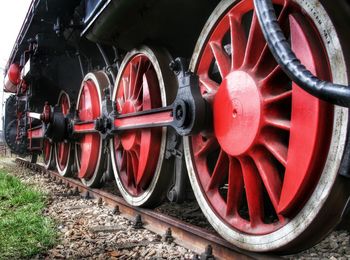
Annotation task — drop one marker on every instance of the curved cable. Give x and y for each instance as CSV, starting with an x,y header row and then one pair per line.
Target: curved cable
x,y
334,93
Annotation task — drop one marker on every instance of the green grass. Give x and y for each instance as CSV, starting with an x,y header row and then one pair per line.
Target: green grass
x,y
24,231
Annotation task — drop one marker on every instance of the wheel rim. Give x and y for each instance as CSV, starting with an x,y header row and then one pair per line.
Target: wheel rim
x,y
258,181
134,151
89,145
63,149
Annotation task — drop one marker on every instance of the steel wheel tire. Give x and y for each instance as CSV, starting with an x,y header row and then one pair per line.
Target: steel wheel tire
x,y
64,155
324,206
155,190
99,81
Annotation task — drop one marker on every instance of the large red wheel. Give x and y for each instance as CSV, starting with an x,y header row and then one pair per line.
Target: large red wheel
x,y
138,155
63,150
266,176
89,149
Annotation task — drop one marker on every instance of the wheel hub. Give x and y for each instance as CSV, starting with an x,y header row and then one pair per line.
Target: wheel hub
x,y
237,113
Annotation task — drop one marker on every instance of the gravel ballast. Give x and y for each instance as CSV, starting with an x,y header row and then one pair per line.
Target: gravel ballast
x,y
92,231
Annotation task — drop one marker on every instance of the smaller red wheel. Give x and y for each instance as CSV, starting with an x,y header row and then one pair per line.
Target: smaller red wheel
x,y
63,150
48,154
138,155
89,150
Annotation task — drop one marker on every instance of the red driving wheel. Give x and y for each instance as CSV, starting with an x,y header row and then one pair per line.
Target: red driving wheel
x,y
138,155
138,91
263,160
89,149
63,150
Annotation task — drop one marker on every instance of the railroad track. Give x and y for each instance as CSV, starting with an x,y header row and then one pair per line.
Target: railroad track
x,y
187,235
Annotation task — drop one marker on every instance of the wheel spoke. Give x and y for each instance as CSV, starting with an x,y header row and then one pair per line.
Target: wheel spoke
x,y
117,144
253,188
235,187
146,104
269,175
220,172
279,97
256,43
123,162
283,16
133,78
277,149
138,80
279,123
135,164
272,76
129,169
126,94
210,85
119,104
222,59
209,146
146,143
238,42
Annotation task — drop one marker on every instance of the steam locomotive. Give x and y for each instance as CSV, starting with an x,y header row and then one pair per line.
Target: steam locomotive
x,y
242,103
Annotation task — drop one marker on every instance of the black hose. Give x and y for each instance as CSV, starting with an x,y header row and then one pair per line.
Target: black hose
x,y
291,65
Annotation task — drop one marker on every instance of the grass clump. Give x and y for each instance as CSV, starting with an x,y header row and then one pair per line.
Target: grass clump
x,y
24,231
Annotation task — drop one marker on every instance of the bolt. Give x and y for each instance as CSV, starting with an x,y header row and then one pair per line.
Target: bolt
x,y
234,113
108,123
116,210
179,112
168,237
208,253
138,222
76,191
70,193
98,124
86,195
174,66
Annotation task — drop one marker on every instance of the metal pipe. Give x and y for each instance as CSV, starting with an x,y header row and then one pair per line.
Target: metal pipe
x,y
80,64
334,93
106,60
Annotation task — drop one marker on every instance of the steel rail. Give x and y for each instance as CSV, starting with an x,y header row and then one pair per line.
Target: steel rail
x,y
187,235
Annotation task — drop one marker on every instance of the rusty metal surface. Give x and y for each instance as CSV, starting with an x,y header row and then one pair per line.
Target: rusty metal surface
x,y
184,234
